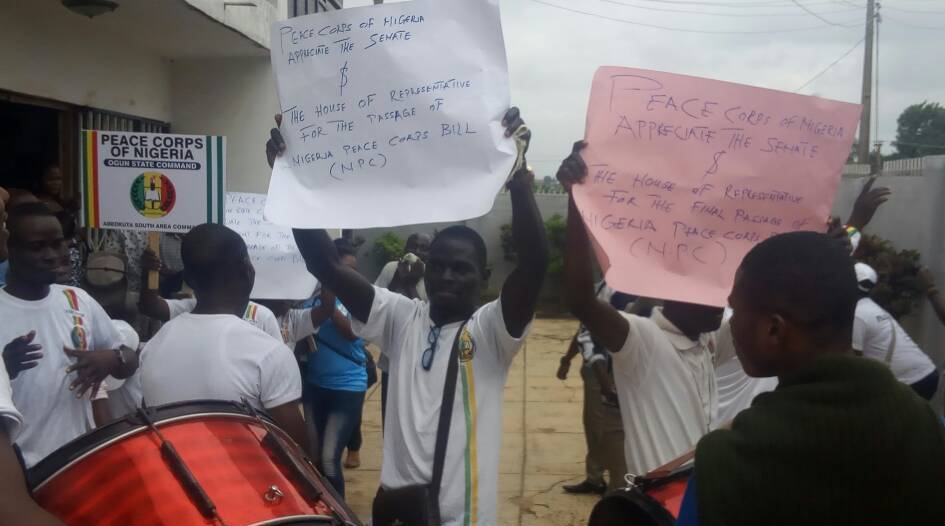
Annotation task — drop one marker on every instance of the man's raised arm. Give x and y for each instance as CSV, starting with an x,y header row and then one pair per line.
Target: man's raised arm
x,y
321,257
604,322
522,287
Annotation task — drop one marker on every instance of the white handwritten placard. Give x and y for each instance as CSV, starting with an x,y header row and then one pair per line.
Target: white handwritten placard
x,y
280,270
391,115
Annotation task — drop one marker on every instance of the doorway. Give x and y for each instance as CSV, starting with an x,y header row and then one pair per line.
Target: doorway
x,y
29,143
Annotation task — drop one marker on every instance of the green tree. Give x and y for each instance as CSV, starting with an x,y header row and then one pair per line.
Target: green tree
x,y
388,247
921,131
898,290
555,228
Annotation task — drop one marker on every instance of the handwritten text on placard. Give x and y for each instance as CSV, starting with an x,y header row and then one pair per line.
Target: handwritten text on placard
x,y
687,174
388,105
280,270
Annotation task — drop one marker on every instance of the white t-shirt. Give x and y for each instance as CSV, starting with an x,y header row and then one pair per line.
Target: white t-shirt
x,y
256,314
67,316
872,335
383,280
125,397
295,325
736,389
217,357
387,275
666,387
10,419
401,327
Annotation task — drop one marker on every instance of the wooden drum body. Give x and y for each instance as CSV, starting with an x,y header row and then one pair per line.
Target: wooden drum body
x,y
229,466
652,500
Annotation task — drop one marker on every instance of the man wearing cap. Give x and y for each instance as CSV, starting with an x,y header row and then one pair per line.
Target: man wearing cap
x,y
877,335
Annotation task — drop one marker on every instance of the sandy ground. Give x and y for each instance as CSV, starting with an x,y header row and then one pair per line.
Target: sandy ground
x,y
542,439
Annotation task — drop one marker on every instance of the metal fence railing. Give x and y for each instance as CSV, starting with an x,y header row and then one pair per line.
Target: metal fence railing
x,y
906,167
306,7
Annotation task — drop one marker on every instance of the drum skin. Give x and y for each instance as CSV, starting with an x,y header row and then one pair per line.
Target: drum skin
x,y
124,480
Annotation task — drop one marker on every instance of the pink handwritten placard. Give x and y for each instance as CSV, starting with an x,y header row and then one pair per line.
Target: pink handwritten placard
x,y
686,174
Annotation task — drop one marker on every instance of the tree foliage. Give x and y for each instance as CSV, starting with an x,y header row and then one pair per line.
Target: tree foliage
x,y
555,229
898,290
388,247
921,131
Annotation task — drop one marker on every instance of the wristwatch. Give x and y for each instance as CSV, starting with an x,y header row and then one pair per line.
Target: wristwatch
x,y
121,355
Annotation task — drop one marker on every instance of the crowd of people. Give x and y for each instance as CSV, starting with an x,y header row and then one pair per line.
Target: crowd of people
x,y
797,402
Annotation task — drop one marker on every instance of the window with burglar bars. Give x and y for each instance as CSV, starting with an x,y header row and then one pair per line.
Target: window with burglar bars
x,y
92,119
307,7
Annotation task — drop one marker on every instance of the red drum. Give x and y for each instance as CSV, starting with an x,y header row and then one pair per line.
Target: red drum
x,y
194,463
651,500
669,490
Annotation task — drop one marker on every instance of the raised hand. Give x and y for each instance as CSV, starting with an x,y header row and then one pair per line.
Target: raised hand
x,y
837,231
275,146
410,272
573,170
21,354
521,288
512,121
866,204
515,128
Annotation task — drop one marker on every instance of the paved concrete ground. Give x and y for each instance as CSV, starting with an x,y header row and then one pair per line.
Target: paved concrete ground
x,y
542,438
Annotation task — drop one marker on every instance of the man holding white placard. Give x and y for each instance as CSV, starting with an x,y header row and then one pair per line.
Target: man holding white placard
x,y
419,338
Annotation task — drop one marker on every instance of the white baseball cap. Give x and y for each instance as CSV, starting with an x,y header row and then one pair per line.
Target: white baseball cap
x,y
866,277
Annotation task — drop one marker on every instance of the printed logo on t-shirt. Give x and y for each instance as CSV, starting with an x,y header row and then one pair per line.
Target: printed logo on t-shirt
x,y
79,336
79,333
72,299
250,314
466,346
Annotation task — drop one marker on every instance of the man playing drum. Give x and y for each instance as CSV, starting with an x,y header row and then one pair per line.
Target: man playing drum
x,y
211,353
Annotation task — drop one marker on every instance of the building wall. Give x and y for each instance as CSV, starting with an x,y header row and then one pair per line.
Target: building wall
x,y
489,227
49,52
235,97
252,21
913,218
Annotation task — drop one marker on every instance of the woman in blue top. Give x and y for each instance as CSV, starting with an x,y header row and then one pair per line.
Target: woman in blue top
x,y
335,383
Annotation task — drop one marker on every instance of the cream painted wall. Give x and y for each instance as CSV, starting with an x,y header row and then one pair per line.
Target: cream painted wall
x,y
55,54
250,20
233,97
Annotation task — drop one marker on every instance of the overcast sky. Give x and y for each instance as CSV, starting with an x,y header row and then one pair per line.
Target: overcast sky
x,y
553,53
